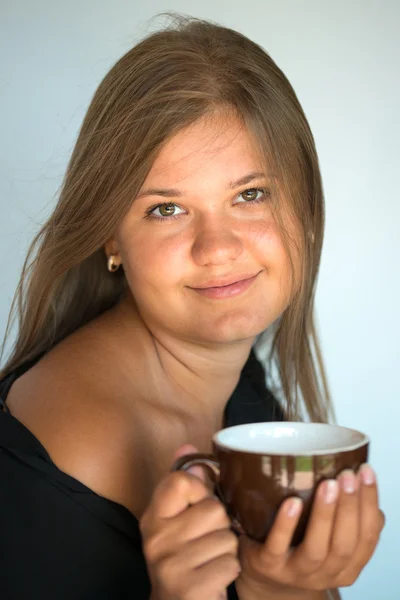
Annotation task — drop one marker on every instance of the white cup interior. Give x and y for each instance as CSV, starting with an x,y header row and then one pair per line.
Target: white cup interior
x,y
300,439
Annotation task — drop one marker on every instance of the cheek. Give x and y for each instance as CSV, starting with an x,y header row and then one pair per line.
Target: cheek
x,y
150,259
271,253
267,242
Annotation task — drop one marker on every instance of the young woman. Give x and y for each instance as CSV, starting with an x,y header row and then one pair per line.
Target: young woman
x,y
189,222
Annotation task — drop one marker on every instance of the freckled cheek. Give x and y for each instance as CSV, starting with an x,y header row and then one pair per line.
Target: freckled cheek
x,y
265,237
153,260
278,262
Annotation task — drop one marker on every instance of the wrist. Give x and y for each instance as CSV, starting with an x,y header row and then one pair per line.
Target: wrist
x,y
249,590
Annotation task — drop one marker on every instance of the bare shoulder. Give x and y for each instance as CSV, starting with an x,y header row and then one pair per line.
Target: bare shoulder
x,y
68,402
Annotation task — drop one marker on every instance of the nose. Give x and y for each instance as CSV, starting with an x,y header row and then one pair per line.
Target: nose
x,y
216,243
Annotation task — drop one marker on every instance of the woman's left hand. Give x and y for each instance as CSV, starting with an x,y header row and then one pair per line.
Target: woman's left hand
x,y
341,537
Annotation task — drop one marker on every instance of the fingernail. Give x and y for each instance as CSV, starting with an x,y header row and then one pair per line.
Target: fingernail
x,y
294,507
331,489
347,481
197,471
367,475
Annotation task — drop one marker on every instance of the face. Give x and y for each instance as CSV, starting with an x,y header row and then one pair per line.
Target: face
x,y
200,248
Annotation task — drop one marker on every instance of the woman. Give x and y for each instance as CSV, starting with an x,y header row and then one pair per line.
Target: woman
x,y
190,221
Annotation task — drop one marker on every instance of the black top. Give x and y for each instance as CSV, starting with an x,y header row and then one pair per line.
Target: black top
x,y
58,538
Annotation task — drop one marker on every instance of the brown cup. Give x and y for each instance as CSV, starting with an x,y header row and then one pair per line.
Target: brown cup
x,y
258,465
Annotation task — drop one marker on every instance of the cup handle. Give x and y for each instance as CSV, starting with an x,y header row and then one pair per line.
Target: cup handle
x,y
205,460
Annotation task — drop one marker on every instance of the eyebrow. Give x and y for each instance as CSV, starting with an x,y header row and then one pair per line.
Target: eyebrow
x,y
174,193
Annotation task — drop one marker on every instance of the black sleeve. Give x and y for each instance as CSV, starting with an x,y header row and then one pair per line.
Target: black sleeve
x,y
58,539
57,543
61,541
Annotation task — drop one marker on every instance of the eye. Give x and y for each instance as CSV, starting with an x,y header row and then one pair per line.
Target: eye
x,y
252,195
164,211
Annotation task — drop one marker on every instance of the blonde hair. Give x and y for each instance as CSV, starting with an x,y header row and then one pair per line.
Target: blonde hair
x,y
175,76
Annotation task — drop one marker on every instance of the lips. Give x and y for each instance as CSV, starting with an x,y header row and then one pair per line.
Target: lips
x,y
219,289
225,281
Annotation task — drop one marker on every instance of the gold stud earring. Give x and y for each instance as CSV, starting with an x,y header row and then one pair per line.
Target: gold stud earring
x,y
112,264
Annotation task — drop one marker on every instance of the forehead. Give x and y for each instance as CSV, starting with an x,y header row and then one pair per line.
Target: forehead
x,y
213,146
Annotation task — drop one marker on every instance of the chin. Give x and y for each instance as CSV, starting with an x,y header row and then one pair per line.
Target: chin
x,y
232,328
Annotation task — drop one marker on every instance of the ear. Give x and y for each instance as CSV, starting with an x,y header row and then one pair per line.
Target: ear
x,y
111,248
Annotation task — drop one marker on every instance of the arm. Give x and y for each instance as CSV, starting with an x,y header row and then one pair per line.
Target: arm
x,y
246,592
60,541
59,538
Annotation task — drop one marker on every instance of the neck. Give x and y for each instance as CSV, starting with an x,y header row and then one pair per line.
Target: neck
x,y
193,377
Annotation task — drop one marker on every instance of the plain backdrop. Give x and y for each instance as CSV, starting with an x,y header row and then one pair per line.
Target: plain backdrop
x,y
342,58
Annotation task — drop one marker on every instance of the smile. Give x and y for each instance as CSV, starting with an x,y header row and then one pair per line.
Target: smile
x,y
226,290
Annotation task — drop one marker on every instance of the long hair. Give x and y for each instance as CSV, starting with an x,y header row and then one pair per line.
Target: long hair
x,y
175,76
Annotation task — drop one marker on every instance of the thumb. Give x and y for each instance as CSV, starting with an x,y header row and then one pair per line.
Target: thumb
x,y
197,471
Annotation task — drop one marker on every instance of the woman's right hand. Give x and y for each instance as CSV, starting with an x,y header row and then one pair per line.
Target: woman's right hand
x,y
190,551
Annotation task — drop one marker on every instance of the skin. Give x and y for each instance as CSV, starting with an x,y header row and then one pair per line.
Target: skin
x,y
176,354
213,234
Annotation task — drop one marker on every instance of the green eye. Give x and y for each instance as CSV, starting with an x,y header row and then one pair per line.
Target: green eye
x,y
167,210
253,196
164,212
250,195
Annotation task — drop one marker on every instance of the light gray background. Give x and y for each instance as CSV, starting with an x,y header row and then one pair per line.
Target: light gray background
x,y
342,58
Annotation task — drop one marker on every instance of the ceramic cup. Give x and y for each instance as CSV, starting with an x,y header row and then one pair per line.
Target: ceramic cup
x,y
258,465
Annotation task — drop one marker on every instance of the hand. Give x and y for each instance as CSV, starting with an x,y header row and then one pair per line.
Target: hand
x,y
188,545
341,537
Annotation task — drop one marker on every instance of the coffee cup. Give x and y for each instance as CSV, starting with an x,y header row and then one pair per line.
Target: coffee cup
x,y
257,466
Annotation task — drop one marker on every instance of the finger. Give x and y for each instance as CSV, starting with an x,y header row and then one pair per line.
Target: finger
x,y
175,493
347,523
278,541
200,519
314,549
198,471
209,547
207,581
372,519
218,573
382,520
184,450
